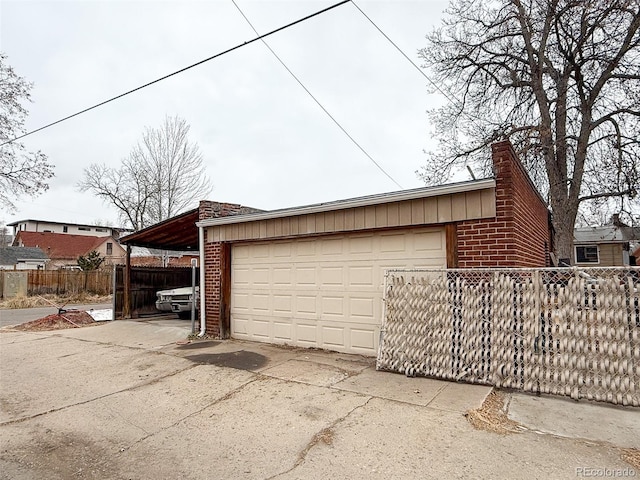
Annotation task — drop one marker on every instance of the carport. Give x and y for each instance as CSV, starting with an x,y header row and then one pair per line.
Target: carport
x,y
178,233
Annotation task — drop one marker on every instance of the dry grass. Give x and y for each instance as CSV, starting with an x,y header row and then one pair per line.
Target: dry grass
x,y
492,417
632,457
50,300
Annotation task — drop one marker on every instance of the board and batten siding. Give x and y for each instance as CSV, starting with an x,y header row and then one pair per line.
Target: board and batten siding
x,y
423,211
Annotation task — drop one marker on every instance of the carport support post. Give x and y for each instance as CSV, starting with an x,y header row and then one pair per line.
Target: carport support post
x,y
126,304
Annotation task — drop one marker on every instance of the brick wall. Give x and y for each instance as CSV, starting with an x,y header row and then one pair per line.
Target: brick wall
x,y
519,235
213,264
212,287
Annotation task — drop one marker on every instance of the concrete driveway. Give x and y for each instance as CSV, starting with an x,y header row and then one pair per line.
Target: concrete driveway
x,y
124,400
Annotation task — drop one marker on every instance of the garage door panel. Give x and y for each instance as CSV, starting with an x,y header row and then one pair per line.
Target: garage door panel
x,y
333,337
305,276
331,247
361,244
332,307
260,303
323,292
260,328
281,250
361,276
305,305
431,241
282,304
307,333
332,276
393,243
361,307
241,301
282,330
260,277
242,276
282,276
239,326
363,340
305,248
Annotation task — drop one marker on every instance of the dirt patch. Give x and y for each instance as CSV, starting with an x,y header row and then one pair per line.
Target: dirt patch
x,y
57,321
492,416
632,457
323,436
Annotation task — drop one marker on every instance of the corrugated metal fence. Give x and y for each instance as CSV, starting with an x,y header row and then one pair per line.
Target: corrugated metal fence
x,y
573,332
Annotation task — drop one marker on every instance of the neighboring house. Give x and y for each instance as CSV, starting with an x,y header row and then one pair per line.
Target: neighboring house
x,y
64,250
313,276
22,258
45,226
605,246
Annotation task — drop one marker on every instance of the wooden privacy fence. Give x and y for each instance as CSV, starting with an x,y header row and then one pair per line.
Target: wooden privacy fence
x,y
145,282
67,282
573,332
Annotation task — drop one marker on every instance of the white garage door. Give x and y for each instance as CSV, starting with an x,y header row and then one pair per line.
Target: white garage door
x,y
323,292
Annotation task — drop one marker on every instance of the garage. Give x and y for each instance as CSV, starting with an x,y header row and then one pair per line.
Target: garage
x,y
313,276
323,292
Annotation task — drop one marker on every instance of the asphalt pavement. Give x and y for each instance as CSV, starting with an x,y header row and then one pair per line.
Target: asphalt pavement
x,y
137,400
23,315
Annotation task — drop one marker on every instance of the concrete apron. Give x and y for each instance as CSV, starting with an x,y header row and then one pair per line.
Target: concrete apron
x,y
126,400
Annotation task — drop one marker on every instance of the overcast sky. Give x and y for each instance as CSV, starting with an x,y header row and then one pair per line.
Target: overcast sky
x,y
265,142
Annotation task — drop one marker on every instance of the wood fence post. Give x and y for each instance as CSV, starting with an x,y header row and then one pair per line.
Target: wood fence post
x,y
126,304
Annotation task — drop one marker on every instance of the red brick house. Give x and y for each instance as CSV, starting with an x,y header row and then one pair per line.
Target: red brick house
x,y
64,249
313,276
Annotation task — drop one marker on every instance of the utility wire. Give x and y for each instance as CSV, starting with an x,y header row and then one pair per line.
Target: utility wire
x,y
448,96
315,99
259,37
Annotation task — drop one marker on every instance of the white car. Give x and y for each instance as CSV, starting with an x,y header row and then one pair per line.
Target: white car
x,y
177,300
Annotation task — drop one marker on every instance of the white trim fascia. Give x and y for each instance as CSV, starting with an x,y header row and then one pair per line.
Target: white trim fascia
x,y
400,196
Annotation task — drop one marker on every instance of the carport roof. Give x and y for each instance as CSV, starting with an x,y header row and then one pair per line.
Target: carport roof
x,y
176,233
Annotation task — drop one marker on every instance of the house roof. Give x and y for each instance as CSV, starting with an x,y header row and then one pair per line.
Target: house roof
x,y
355,202
60,245
12,255
13,224
605,234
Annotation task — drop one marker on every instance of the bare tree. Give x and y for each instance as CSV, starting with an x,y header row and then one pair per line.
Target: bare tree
x,y
21,172
561,80
163,175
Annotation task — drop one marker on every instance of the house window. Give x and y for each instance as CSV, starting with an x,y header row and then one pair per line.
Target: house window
x,y
65,229
587,254
109,248
101,229
85,229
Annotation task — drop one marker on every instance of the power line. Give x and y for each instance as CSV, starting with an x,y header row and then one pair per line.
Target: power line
x,y
316,100
448,96
259,37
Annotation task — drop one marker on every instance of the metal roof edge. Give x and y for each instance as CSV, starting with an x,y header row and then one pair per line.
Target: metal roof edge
x,y
377,199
